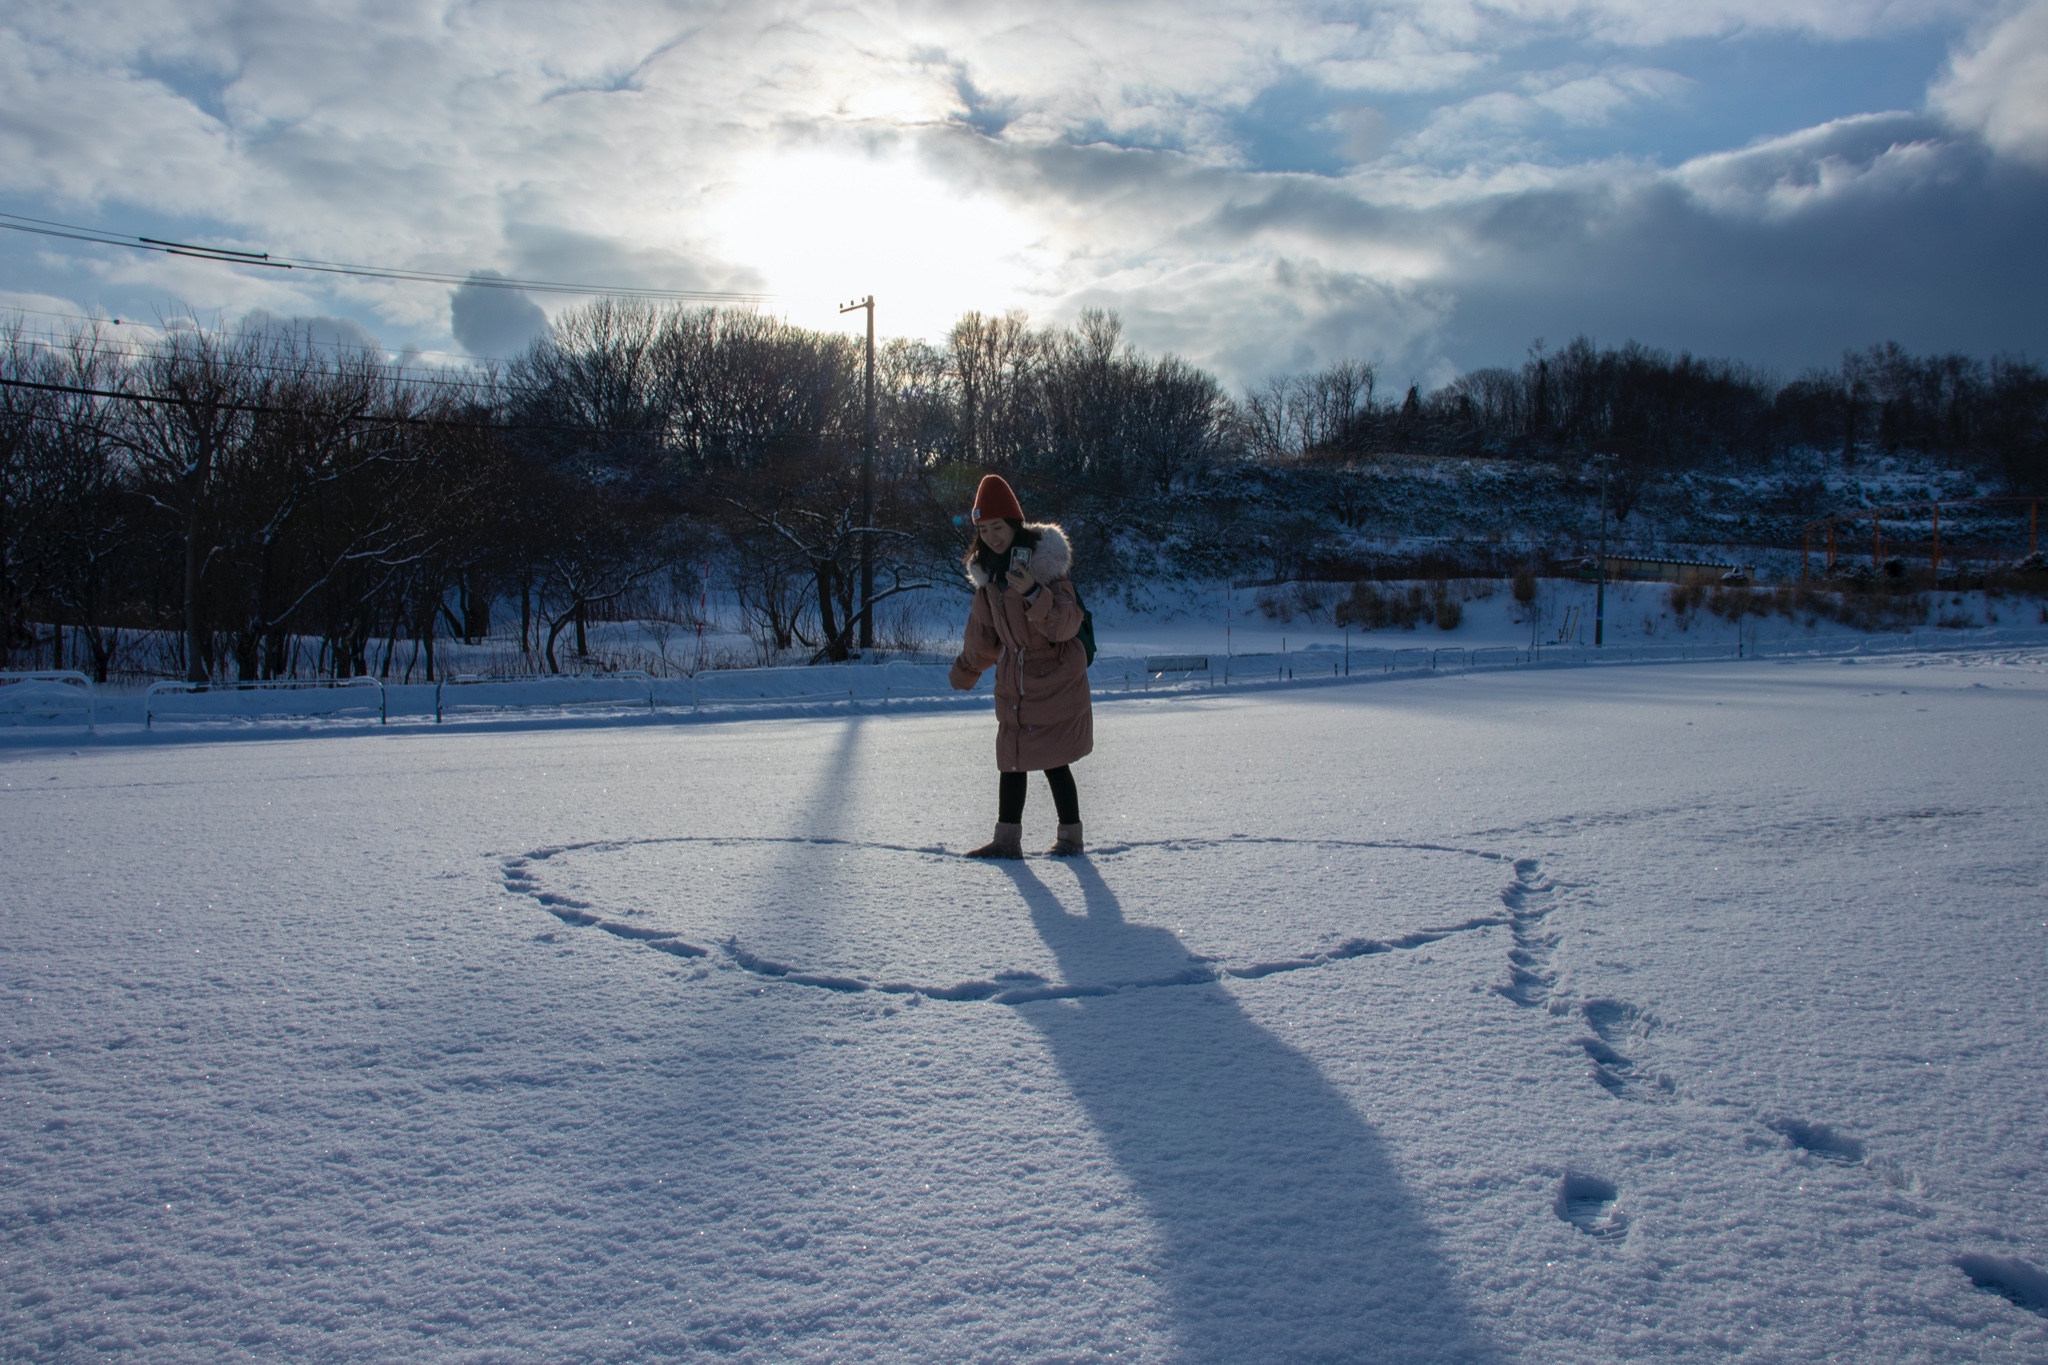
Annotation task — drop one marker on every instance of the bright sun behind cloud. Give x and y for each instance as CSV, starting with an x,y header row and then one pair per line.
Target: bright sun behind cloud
x,y
823,228
1256,185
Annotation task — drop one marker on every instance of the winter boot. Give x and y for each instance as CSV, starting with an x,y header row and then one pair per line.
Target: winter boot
x,y
1008,843
1068,843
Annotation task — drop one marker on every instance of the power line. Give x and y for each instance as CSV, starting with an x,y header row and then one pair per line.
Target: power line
x,y
262,409
412,377
43,227
297,334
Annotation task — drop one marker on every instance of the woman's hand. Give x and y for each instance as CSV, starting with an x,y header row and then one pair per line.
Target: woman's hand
x,y
1020,579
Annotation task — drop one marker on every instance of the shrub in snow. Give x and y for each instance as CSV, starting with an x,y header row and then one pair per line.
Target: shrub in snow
x,y
1732,604
1363,608
1444,609
1685,600
1369,608
1283,602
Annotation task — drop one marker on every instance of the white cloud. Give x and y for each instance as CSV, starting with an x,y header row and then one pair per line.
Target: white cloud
x,y
1999,86
1597,98
1504,126
325,333
1645,23
1873,156
71,133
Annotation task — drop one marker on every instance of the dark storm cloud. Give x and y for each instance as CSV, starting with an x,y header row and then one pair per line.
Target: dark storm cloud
x,y
1881,227
493,322
1328,210
1945,257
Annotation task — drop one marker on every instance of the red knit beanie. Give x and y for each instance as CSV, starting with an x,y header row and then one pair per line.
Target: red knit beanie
x,y
994,500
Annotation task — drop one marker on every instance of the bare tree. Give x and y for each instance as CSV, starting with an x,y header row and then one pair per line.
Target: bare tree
x,y
24,411
1326,414
198,391
995,362
86,515
603,549
318,436
820,530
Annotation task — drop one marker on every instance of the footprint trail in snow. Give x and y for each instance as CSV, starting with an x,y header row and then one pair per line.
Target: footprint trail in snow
x,y
1324,931
1372,898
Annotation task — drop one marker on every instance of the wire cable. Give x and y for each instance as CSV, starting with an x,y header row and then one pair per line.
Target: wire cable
x,y
43,227
262,409
422,378
297,333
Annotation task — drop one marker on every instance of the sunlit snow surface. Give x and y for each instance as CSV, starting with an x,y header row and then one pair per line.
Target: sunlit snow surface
x,y
1658,1013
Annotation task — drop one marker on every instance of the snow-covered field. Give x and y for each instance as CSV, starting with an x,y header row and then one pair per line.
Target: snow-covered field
x,y
1633,1013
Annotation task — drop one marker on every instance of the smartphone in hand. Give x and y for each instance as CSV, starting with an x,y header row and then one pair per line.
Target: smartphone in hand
x,y
1020,556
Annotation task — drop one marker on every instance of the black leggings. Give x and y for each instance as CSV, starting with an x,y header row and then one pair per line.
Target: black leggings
x,y
1065,799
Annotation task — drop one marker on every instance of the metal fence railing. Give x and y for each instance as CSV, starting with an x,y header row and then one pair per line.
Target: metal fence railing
x,y
46,693
485,691
256,698
54,693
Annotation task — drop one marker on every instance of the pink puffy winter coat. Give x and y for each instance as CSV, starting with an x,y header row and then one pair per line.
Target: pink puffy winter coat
x,y
1043,719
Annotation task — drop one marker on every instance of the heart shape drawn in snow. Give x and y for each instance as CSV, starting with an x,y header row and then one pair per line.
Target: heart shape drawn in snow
x,y
852,916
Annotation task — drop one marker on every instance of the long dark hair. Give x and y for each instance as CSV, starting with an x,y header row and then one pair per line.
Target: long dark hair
x,y
993,564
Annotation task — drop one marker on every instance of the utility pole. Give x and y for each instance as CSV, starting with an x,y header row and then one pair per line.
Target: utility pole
x,y
867,488
1600,587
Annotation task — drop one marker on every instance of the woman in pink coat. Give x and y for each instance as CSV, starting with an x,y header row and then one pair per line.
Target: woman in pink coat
x,y
1024,620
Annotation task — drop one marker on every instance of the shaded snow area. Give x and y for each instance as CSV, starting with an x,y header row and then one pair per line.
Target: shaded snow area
x,y
1634,1013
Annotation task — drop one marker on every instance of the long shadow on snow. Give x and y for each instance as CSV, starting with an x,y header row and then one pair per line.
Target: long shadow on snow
x,y
1287,1234
736,1205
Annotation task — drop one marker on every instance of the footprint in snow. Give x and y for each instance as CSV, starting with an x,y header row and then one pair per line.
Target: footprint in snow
x,y
1611,1022
1527,900
1819,1140
1588,1203
1824,1143
520,882
2009,1277
1621,1076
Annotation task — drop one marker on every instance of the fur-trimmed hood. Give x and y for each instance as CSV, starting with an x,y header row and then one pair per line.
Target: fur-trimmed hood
x,y
1052,557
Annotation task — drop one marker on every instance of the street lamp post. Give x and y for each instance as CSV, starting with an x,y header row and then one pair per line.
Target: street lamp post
x,y
1600,585
867,486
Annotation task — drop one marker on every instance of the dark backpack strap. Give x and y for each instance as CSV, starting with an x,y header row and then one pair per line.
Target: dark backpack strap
x,y
1086,635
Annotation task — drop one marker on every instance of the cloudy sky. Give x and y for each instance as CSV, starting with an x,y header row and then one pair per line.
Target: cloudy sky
x,y
1430,184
